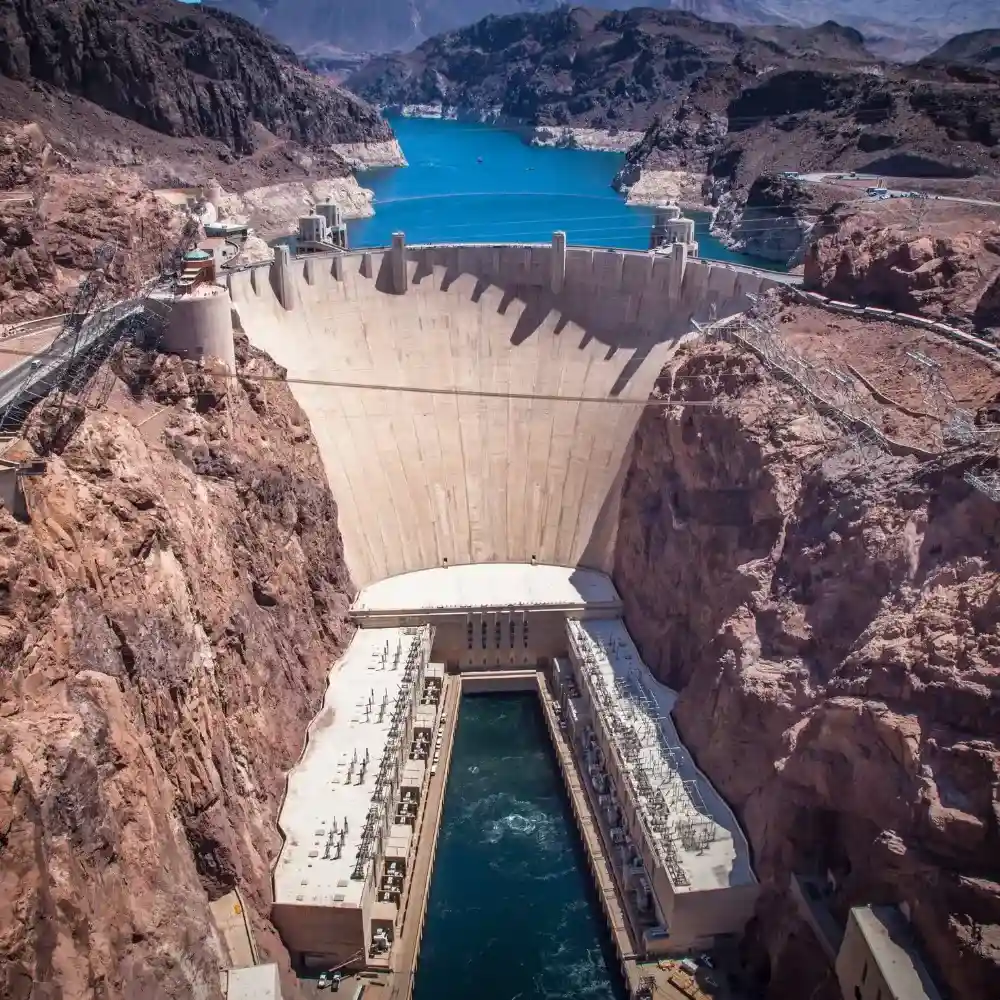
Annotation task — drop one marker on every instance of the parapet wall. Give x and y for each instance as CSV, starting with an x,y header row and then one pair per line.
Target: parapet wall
x,y
505,384
638,281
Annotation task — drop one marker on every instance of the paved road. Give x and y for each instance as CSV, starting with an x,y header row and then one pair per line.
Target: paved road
x,y
53,349
13,349
782,277
819,178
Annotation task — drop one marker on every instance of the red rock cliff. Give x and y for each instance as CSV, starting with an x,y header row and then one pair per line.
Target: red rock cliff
x,y
167,621
835,637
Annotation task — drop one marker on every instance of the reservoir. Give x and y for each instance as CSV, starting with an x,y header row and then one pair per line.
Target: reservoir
x,y
512,913
472,183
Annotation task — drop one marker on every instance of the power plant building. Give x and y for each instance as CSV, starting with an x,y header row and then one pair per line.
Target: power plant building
x,y
352,800
682,860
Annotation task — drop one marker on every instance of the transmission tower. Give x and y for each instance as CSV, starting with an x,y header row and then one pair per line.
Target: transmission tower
x,y
957,425
830,392
93,332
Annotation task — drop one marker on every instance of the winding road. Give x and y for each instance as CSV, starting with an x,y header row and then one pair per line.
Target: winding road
x,y
821,178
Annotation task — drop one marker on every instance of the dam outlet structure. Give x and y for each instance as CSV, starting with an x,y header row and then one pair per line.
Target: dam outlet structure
x,y
474,407
196,324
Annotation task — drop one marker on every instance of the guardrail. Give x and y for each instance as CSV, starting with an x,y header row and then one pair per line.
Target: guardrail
x,y
983,347
31,326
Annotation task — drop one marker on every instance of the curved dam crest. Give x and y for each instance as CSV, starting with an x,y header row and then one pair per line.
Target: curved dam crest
x,y
426,479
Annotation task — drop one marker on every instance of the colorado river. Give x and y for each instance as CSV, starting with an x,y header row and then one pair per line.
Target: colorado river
x,y
512,914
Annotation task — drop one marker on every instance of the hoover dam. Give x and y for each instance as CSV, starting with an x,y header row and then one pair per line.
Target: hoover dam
x,y
474,407
506,382
475,411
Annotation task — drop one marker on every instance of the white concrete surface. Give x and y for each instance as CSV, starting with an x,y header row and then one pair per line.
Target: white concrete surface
x,y
494,585
256,982
198,324
889,941
232,921
638,704
422,478
323,791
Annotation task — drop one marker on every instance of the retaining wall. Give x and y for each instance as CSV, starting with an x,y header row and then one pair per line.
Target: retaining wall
x,y
498,681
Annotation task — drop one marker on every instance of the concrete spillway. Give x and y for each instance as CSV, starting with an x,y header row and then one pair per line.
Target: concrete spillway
x,y
428,478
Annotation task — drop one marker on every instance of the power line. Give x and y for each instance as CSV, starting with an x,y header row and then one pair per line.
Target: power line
x,y
442,390
513,226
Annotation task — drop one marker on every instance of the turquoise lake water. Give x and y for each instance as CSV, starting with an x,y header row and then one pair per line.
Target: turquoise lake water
x,y
512,913
518,193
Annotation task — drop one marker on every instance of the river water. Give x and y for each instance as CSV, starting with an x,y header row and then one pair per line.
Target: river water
x,y
471,183
512,913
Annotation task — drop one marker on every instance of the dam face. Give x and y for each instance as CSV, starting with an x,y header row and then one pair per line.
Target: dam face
x,y
458,469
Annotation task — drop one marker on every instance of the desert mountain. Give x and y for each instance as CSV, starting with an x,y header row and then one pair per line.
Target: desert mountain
x,y
897,124
974,48
897,28
179,70
317,25
587,67
102,100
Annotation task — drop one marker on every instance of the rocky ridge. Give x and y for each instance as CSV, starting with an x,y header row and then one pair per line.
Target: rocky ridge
x,y
170,613
897,122
53,220
833,632
582,67
979,49
951,278
180,70
103,100
774,222
335,29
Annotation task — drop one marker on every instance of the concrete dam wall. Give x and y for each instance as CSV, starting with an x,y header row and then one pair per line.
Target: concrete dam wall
x,y
427,473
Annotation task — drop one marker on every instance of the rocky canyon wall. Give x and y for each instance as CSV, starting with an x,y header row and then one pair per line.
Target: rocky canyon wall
x,y
835,636
167,620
